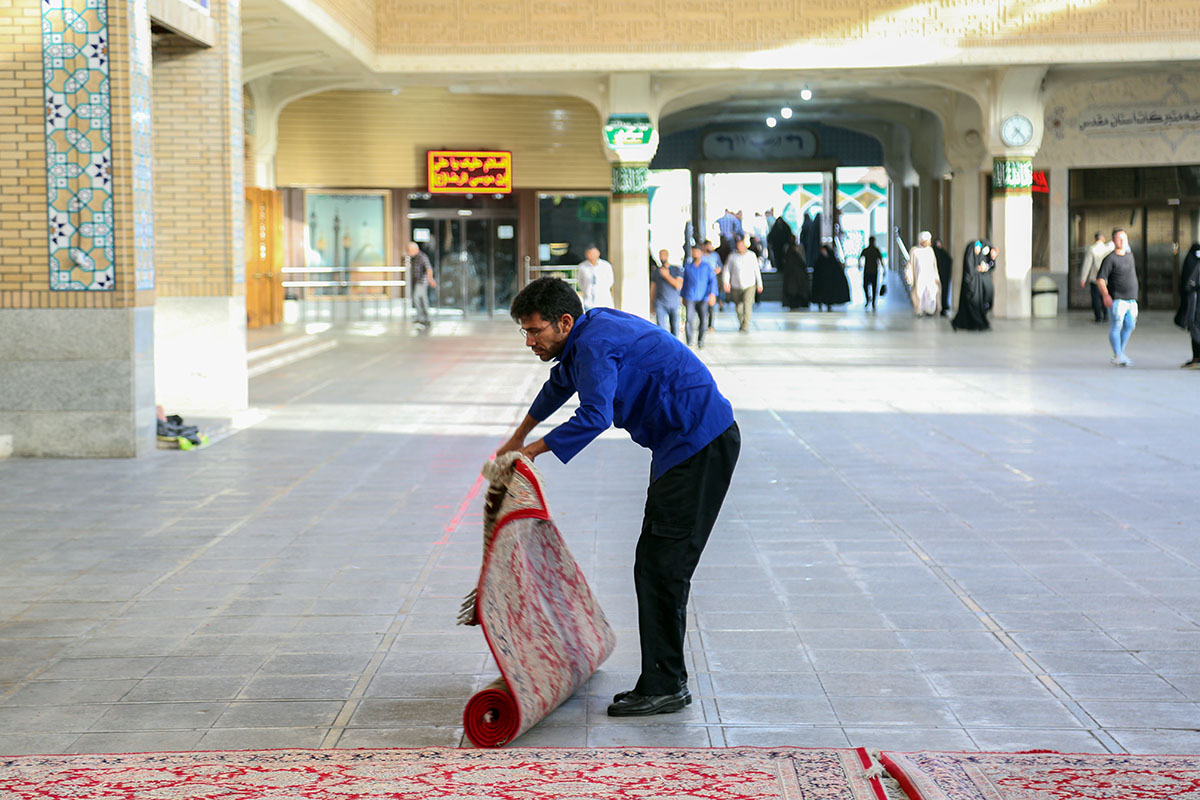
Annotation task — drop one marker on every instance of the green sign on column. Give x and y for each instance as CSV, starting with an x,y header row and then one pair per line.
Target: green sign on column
x,y
1012,175
628,130
630,179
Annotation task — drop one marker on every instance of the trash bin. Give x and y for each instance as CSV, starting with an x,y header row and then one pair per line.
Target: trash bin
x,y
1045,297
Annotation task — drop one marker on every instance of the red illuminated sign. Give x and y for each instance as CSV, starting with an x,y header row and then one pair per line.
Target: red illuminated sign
x,y
1040,184
467,171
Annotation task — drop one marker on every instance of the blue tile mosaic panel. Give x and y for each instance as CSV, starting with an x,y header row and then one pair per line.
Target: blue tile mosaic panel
x,y
75,62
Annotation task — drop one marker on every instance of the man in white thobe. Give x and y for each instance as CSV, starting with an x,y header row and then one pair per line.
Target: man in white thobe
x,y
922,276
595,280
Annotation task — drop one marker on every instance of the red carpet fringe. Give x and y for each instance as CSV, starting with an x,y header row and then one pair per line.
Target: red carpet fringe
x,y
1044,775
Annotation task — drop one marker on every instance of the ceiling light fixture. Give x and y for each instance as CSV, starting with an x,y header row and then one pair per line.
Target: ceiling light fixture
x,y
771,122
785,112
806,93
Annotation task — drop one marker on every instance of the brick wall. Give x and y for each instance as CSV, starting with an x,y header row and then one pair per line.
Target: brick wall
x,y
556,142
649,26
24,278
248,139
192,168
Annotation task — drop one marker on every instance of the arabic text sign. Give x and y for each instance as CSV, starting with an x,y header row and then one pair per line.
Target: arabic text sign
x,y
1012,175
1108,119
782,143
468,171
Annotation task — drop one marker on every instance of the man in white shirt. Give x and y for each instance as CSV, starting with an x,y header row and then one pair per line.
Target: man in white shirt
x,y
595,280
1092,259
743,280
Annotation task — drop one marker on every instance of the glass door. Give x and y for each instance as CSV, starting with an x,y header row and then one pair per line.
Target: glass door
x,y
474,261
1159,281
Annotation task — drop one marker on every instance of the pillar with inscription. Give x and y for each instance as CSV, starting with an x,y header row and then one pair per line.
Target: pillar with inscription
x,y
629,231
630,141
1012,232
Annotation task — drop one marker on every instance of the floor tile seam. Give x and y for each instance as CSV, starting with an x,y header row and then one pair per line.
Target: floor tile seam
x,y
372,668
196,554
963,596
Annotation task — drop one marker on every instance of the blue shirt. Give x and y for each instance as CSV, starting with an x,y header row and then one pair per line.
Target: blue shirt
x,y
664,293
713,259
637,376
699,281
729,226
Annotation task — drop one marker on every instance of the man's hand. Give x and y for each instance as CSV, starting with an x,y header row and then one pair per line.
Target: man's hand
x,y
760,289
535,449
1108,301
514,443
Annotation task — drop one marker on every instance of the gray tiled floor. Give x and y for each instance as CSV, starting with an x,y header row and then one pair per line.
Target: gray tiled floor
x,y
933,541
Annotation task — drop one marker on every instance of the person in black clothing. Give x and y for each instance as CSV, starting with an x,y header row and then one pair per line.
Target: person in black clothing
x,y
829,284
972,294
868,261
1118,285
795,277
1188,317
778,238
945,267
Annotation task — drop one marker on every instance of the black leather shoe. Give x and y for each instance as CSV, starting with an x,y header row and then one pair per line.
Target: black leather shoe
x,y
633,704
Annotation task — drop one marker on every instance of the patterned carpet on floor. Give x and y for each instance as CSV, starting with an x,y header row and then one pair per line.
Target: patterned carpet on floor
x,y
1044,776
542,622
448,774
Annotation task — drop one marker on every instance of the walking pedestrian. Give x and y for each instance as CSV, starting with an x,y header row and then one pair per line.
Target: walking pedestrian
x,y
1090,268
1118,285
743,280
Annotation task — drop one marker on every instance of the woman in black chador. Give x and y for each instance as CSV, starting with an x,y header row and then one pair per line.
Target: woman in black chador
x,y
778,239
795,277
1188,317
829,284
973,297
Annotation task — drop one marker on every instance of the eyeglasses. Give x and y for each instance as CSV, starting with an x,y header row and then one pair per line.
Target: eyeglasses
x,y
534,332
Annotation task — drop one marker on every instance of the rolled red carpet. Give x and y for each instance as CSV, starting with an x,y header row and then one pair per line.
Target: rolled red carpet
x,y
492,717
541,620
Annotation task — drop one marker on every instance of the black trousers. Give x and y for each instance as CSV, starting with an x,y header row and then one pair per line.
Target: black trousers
x,y
697,320
681,509
1098,308
870,285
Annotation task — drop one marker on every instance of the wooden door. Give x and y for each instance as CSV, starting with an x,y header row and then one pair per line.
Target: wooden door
x,y
264,257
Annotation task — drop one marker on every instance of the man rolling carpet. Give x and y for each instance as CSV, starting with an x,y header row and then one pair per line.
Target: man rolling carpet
x,y
634,375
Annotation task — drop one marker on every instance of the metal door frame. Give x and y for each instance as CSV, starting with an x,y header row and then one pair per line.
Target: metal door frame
x,y
493,215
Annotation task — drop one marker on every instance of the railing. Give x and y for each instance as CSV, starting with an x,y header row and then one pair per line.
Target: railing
x,y
568,272
322,291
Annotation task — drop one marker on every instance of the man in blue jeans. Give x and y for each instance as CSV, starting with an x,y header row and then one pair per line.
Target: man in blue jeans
x,y
1118,285
635,375
666,280
699,295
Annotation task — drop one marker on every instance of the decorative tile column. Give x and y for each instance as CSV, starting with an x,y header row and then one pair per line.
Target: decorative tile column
x,y
76,372
1012,232
630,142
630,223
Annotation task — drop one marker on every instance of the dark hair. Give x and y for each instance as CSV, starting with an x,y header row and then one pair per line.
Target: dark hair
x,y
1119,230
550,297
1098,236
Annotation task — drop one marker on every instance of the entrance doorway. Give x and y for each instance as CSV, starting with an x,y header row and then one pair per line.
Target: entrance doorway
x,y
1159,207
474,258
